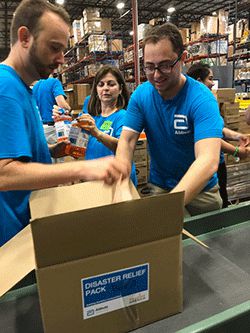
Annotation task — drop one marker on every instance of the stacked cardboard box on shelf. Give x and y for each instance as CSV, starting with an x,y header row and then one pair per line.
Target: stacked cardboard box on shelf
x,y
106,24
228,108
185,34
115,45
195,31
142,30
97,43
128,56
140,159
238,179
76,31
238,172
91,21
222,22
243,126
76,94
91,69
209,25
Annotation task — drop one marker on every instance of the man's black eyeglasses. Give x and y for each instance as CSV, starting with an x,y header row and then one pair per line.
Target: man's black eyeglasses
x,y
164,68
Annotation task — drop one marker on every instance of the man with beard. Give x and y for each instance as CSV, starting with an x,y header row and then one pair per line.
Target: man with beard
x,y
182,124
25,161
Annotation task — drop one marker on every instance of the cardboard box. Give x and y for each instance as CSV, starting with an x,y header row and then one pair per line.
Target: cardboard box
x,y
185,35
97,43
91,14
85,246
140,153
209,25
223,22
81,92
91,27
82,32
106,24
219,47
231,119
76,31
92,69
141,144
229,108
225,95
195,31
142,172
76,94
142,30
115,45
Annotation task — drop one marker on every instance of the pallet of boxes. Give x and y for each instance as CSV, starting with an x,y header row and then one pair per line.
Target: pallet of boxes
x,y
238,170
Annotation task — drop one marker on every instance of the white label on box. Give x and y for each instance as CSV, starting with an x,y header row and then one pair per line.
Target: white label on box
x,y
114,290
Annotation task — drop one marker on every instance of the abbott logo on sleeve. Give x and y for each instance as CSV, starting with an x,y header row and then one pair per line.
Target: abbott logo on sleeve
x,y
181,124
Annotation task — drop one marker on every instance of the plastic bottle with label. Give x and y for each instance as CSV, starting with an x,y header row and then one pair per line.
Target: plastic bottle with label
x,y
62,126
78,139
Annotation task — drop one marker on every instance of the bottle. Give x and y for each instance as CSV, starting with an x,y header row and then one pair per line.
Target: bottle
x,y
78,139
62,126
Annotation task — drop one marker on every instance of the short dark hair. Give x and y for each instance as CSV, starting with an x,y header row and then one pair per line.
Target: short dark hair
x,y
165,31
94,106
28,14
199,71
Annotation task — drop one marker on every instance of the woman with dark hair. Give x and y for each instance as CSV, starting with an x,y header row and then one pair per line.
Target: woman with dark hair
x,y
203,73
104,112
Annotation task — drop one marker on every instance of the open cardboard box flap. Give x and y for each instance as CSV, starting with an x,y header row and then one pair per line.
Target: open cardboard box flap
x,y
84,231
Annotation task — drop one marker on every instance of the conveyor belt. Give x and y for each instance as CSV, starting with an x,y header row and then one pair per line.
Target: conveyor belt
x,y
215,280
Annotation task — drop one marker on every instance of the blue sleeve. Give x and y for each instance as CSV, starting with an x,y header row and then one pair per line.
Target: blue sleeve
x,y
15,142
58,89
134,118
85,105
119,122
208,122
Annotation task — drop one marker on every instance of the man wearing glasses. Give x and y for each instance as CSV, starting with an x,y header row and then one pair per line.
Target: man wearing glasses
x,y
182,123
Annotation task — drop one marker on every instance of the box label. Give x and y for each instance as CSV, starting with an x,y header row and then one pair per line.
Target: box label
x,y
114,290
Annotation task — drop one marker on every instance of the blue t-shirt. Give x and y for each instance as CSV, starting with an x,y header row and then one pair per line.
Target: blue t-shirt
x,y
45,93
22,138
111,125
173,127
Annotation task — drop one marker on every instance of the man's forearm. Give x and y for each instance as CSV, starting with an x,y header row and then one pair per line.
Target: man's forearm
x,y
125,150
16,175
196,178
230,134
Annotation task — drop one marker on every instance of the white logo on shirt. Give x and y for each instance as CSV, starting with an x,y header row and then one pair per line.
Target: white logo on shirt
x,y
181,124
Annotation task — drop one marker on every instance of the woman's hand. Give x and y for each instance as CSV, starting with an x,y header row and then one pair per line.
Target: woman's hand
x,y
87,122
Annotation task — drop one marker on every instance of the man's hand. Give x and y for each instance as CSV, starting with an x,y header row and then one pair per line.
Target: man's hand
x,y
56,113
108,169
58,149
243,139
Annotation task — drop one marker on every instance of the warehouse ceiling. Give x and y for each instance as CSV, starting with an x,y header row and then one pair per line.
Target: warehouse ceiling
x,y
186,12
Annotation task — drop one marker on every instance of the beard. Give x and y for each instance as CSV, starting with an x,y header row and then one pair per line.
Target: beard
x,y
43,70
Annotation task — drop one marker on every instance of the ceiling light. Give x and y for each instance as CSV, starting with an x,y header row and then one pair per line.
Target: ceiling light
x,y
171,10
120,5
214,13
60,2
131,32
